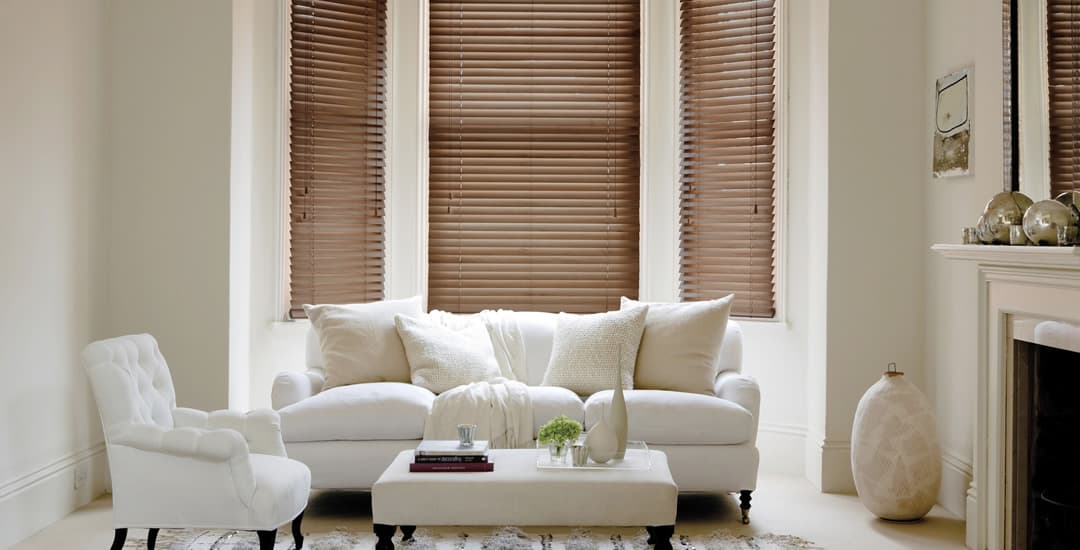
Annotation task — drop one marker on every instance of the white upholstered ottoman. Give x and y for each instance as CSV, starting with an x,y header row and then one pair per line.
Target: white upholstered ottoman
x,y
517,493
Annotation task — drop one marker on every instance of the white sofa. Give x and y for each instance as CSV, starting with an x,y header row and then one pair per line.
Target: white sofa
x,y
348,435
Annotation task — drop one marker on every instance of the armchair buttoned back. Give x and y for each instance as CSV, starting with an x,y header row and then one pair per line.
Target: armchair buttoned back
x,y
131,382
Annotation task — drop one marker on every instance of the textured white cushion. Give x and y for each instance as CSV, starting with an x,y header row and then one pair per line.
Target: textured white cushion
x,y
551,401
360,412
441,357
588,349
359,342
677,418
680,347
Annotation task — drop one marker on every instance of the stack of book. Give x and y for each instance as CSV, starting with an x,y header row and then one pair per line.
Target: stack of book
x,y
450,456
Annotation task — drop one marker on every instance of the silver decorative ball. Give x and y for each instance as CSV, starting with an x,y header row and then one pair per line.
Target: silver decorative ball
x,y
1070,199
1005,209
1042,220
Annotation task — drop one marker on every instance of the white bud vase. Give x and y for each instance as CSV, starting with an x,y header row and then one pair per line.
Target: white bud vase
x,y
617,416
894,450
601,442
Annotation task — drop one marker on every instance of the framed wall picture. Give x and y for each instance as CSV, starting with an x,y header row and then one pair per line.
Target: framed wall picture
x,y
952,125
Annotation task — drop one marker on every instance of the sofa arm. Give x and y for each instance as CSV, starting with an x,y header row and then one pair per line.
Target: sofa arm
x,y
292,387
742,390
184,446
261,428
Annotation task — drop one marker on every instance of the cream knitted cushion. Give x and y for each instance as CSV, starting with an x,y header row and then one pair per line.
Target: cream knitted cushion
x,y
443,357
359,343
586,350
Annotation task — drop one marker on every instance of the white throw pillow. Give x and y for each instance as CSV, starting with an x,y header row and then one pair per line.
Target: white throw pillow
x,y
680,348
586,350
441,357
359,342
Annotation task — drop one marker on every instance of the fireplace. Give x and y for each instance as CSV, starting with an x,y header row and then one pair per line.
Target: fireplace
x,y
1043,491
1021,495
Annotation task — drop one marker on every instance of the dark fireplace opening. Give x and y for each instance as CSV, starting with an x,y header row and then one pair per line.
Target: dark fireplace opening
x,y
1046,451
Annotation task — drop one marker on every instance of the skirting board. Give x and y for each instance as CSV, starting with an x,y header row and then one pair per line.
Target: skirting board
x,y
781,448
955,480
31,502
828,465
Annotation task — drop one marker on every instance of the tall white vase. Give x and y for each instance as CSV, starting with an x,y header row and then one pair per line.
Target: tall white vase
x,y
617,416
895,456
601,442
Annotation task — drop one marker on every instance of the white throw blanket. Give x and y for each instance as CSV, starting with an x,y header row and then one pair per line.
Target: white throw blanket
x,y
500,408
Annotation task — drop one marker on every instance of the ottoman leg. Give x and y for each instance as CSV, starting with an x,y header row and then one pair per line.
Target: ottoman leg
x,y
660,536
386,536
407,532
744,504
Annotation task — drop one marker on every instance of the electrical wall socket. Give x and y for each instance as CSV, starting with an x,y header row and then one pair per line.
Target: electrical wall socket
x,y
82,472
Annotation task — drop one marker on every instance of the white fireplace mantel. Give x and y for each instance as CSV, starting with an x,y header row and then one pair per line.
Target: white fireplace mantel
x,y
1025,281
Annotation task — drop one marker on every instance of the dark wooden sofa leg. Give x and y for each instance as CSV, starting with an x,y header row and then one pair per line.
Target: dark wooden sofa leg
x,y
744,504
266,539
660,536
118,539
297,536
151,539
385,533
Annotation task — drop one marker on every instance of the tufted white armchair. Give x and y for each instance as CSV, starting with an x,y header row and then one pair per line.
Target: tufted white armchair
x,y
181,468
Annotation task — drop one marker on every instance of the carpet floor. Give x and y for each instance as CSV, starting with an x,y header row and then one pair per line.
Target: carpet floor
x,y
469,538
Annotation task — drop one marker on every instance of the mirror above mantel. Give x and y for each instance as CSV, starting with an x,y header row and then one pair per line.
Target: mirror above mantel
x,y
1042,71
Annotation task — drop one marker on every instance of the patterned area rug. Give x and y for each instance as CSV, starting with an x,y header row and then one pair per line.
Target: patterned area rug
x,y
503,538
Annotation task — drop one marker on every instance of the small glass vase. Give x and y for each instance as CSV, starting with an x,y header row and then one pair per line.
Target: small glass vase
x,y
558,452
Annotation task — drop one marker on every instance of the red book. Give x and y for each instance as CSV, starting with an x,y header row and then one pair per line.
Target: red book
x,y
453,467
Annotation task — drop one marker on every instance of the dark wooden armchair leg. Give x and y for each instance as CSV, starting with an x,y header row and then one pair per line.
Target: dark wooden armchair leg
x,y
297,536
266,539
118,539
385,533
151,539
744,504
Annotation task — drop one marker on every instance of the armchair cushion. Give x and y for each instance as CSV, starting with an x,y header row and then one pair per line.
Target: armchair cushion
x,y
260,428
676,418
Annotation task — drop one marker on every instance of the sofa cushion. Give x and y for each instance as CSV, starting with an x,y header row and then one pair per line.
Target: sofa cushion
x,y
676,418
590,350
359,412
551,401
359,342
680,347
442,357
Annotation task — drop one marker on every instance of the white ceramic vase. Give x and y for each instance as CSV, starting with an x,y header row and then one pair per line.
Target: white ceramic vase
x,y
617,416
895,456
601,442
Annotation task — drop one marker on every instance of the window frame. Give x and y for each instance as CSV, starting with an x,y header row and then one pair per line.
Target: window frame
x,y
406,203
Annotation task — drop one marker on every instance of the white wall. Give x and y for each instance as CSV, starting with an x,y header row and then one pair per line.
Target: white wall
x,y
169,186
876,154
51,250
951,299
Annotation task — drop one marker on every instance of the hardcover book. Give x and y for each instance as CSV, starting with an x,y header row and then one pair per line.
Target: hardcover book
x,y
450,447
444,459
453,467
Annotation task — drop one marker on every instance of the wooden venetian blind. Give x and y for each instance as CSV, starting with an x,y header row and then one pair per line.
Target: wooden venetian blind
x,y
1063,45
337,102
727,170
533,201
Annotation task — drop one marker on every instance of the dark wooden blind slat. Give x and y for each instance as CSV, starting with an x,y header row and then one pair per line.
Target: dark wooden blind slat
x,y
533,200
727,177
337,96
1063,39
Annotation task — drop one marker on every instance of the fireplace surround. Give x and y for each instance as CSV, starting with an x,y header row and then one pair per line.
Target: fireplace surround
x,y
1019,288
